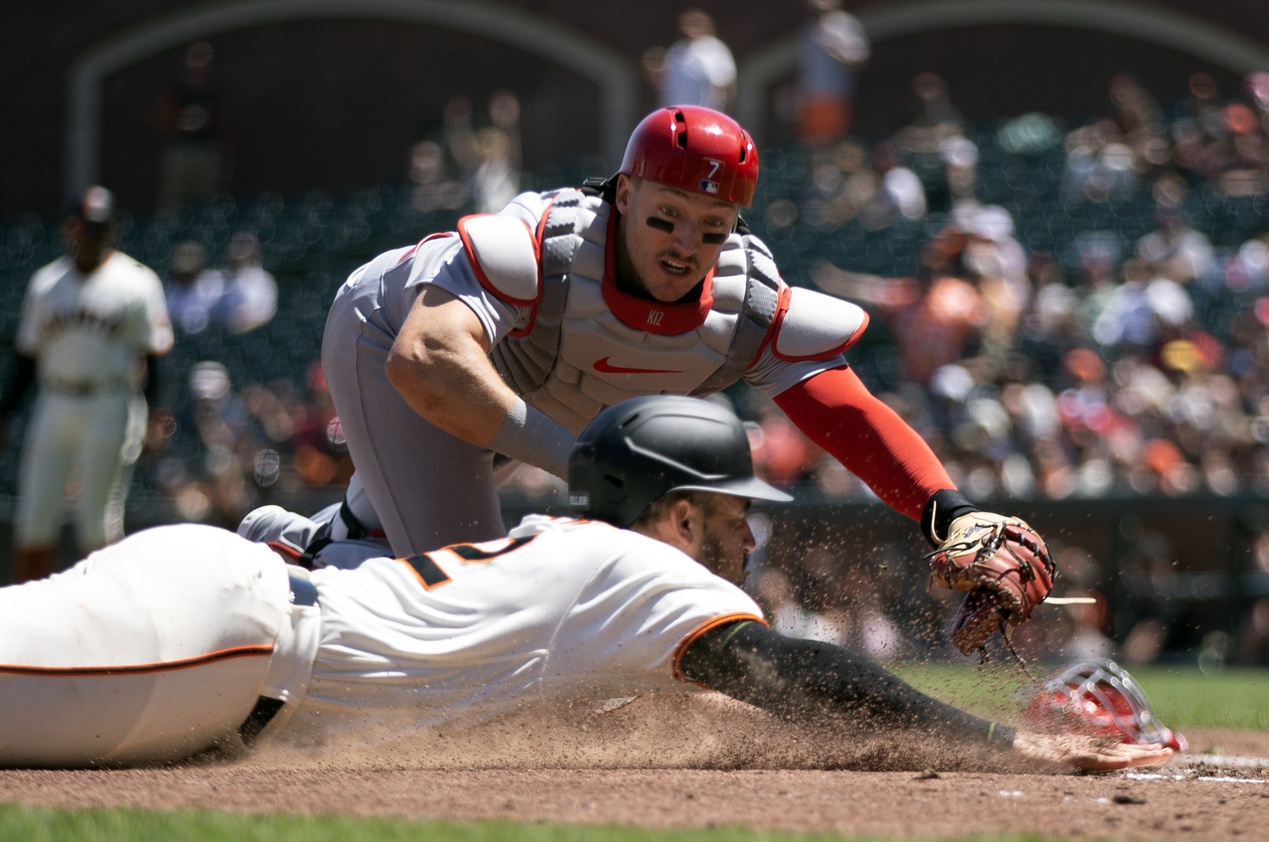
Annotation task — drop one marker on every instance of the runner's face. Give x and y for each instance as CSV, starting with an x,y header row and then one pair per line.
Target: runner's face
x,y
671,237
728,540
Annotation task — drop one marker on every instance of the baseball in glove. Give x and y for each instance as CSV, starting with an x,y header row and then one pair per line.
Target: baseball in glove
x,y
1004,565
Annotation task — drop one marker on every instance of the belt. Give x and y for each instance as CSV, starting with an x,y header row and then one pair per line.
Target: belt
x,y
303,592
84,389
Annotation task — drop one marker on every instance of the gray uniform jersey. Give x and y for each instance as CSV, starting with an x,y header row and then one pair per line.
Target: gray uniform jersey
x,y
563,337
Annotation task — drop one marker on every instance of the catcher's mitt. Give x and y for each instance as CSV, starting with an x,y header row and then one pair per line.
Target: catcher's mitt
x,y
1005,566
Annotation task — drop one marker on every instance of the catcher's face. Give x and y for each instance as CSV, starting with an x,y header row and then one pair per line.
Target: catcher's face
x,y
667,238
726,538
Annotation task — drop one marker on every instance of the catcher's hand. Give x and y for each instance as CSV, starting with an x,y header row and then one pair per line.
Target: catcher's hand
x,y
1005,566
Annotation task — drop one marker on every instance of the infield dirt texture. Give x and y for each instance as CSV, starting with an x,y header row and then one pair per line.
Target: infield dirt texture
x,y
697,763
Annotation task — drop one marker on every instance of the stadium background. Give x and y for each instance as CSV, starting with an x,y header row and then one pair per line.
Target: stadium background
x,y
328,96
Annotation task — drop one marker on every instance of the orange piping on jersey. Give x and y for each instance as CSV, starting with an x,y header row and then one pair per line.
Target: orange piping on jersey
x,y
141,669
449,553
721,620
418,577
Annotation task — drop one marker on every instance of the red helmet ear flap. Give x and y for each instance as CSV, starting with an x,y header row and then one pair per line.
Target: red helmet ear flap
x,y
1099,698
695,149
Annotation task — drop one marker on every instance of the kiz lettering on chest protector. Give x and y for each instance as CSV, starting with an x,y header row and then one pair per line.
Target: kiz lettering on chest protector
x,y
580,344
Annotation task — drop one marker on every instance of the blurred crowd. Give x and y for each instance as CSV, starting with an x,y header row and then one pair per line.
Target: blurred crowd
x,y
1117,368
235,446
1113,368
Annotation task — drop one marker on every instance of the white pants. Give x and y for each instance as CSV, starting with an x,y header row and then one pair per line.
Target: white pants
x,y
96,439
149,650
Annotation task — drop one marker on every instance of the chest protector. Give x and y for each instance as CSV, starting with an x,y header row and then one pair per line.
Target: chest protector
x,y
570,355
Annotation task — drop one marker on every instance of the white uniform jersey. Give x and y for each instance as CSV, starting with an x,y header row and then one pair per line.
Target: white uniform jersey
x,y
161,645
86,334
88,331
698,71
560,610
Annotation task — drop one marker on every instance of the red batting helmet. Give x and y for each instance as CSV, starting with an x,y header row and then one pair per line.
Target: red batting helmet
x,y
696,149
1099,698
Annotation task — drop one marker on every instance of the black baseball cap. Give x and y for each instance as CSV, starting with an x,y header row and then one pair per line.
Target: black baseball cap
x,y
94,204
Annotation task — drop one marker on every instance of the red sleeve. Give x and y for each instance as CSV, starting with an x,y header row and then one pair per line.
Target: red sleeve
x,y
835,410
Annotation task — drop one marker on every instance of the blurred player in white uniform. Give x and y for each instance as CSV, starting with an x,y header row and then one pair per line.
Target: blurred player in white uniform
x,y
93,323
509,334
183,637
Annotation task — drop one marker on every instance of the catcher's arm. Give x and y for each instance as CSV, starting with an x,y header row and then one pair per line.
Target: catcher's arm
x,y
1001,561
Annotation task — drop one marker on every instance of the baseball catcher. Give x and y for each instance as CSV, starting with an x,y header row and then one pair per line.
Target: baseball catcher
x,y
1000,561
506,336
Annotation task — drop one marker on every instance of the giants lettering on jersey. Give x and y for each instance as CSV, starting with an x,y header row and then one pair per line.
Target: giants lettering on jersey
x,y
82,319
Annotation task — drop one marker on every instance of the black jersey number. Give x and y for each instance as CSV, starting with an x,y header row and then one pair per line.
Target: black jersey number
x,y
432,575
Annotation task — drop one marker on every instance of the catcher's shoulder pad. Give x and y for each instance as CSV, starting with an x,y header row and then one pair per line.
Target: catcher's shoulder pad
x,y
504,255
816,326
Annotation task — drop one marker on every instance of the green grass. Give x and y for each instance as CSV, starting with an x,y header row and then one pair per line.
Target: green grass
x,y
1232,698
1182,697
45,825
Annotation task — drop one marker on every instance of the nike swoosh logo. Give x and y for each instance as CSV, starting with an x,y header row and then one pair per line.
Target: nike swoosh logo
x,y
605,367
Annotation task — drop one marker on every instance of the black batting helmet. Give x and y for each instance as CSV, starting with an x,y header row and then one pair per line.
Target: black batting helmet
x,y
639,450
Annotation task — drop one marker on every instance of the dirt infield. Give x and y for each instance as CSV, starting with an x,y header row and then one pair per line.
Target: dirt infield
x,y
681,768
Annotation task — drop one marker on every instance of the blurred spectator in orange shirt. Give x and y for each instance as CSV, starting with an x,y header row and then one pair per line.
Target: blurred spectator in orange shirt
x,y
832,49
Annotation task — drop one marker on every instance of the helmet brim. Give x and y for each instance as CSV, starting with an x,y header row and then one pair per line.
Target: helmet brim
x,y
751,487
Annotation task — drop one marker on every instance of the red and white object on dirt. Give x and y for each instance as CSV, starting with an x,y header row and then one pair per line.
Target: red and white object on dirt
x,y
1099,698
